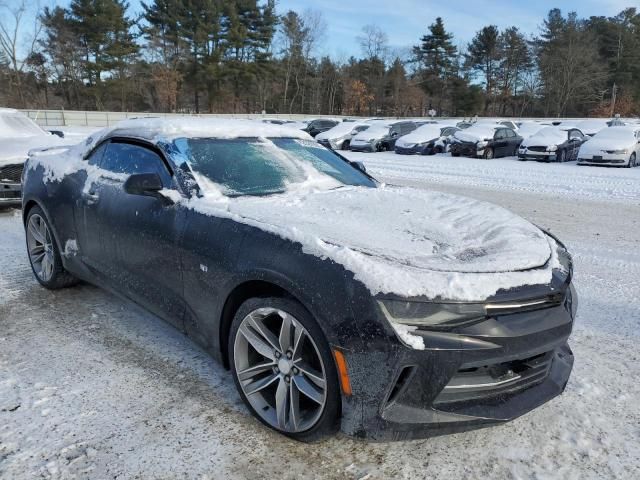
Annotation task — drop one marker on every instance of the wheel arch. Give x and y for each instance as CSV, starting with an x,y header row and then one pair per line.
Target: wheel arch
x,y
254,288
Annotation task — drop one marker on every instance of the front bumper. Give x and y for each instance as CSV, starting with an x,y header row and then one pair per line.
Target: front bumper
x,y
479,375
466,149
10,194
362,147
415,150
538,156
619,160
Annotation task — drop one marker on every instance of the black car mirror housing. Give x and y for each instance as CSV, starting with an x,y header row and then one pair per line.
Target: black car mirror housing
x,y
147,184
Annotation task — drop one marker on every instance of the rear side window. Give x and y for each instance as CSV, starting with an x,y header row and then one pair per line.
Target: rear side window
x,y
132,159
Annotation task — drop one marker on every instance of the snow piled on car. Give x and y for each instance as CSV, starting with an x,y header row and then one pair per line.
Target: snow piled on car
x,y
403,241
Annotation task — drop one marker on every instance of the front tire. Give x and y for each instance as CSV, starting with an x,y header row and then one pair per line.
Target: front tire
x,y
345,145
44,254
488,153
561,157
283,368
632,160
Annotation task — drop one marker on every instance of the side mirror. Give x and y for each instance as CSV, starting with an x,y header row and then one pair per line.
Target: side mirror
x,y
394,134
360,166
148,184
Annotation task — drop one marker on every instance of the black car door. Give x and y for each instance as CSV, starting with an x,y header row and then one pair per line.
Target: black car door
x,y
500,143
139,234
576,138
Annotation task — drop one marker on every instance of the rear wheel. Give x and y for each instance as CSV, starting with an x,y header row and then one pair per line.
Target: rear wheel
x,y
283,368
44,254
346,144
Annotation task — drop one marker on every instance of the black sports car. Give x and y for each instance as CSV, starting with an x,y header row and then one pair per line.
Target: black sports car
x,y
335,301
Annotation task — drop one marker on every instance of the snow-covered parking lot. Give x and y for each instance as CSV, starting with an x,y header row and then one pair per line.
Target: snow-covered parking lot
x,y
92,387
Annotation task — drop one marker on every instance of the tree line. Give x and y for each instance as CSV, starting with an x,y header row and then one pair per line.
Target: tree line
x,y
241,56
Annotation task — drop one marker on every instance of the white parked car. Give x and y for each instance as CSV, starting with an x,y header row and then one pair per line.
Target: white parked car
x,y
617,146
339,137
18,135
428,139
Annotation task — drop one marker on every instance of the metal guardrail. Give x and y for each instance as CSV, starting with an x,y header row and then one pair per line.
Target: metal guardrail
x,y
76,118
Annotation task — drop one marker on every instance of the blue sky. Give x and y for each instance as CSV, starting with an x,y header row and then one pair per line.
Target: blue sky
x,y
405,21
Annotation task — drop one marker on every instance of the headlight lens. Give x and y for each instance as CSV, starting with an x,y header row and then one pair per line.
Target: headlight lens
x,y
481,144
431,314
621,151
552,148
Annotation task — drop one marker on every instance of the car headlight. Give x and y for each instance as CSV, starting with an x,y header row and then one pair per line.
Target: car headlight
x,y
431,314
622,151
372,139
552,148
481,144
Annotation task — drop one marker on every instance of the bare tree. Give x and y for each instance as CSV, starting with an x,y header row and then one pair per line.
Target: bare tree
x,y
15,42
373,42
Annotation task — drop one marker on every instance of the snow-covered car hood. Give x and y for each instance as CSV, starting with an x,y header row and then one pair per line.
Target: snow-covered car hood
x,y
341,130
404,241
15,150
596,145
545,137
474,134
375,131
420,135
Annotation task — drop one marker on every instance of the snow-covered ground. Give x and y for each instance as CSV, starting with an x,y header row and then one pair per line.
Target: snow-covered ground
x,y
92,387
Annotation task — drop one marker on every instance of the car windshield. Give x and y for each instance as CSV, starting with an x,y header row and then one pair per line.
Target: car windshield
x,y
259,166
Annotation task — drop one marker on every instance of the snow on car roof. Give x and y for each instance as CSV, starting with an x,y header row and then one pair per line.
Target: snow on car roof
x,y
192,127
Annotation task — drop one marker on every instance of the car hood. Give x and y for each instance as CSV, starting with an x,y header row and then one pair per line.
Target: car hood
x,y
596,145
473,136
418,137
406,227
16,150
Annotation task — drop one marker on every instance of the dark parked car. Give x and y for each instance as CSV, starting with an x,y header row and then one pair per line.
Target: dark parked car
x,y
552,144
320,125
485,141
427,139
336,302
381,136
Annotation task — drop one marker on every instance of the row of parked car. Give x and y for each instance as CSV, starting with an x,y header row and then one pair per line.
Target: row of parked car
x,y
593,142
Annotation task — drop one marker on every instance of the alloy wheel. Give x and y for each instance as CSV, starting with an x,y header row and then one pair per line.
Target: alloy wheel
x,y
280,370
40,245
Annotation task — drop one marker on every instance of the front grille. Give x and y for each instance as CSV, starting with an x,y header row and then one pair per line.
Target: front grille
x,y
497,379
11,173
537,149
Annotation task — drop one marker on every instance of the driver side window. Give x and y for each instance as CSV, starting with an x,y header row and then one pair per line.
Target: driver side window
x,y
499,135
133,159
